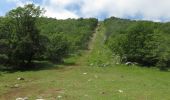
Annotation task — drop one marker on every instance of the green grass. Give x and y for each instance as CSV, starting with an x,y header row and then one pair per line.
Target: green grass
x,y
99,83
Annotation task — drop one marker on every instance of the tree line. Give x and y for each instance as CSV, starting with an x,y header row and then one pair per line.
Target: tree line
x,y
144,42
26,36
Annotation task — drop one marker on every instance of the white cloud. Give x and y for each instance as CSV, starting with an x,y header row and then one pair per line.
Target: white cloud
x,y
59,13
56,8
149,9
20,2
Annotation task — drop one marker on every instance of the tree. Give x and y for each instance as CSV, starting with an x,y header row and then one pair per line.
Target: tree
x,y
140,43
57,48
24,37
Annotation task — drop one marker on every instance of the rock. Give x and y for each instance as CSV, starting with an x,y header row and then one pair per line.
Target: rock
x,y
25,98
59,96
19,98
117,63
135,63
84,73
39,98
20,78
91,64
120,91
128,63
15,86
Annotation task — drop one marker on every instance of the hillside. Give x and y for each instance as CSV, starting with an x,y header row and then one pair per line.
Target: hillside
x,y
91,75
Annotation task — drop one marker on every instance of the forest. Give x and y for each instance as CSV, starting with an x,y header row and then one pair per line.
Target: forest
x,y
26,37
144,43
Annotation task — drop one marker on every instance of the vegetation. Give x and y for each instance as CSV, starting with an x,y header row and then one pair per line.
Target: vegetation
x,y
138,41
77,31
82,59
20,36
26,37
80,81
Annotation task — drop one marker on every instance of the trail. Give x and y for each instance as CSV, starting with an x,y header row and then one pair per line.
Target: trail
x,y
27,88
83,59
92,42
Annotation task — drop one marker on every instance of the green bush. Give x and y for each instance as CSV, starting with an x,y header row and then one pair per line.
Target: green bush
x,y
57,48
3,58
142,42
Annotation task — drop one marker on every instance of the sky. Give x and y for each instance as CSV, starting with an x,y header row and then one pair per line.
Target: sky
x,y
154,10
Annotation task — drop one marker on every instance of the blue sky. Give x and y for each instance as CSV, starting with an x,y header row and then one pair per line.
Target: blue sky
x,y
155,10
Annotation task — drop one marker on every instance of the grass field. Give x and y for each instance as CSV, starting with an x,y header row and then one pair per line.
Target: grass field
x,y
80,78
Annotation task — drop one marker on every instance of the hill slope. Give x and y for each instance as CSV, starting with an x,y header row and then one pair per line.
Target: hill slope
x,y
80,79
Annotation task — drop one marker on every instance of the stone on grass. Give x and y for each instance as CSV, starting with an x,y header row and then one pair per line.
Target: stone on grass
x,y
20,78
59,96
39,98
128,63
25,98
120,91
19,98
91,64
84,73
15,86
117,63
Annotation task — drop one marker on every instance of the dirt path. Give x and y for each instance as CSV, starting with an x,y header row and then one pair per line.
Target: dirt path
x,y
91,43
83,59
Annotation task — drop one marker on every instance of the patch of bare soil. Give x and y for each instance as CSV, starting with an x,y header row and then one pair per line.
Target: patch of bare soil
x,y
30,92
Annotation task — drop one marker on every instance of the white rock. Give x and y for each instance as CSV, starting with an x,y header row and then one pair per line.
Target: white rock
x,y
117,63
128,63
84,73
121,91
16,85
19,99
59,96
25,98
91,64
20,78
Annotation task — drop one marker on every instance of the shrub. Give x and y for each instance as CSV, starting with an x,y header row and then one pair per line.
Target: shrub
x,y
57,48
142,43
